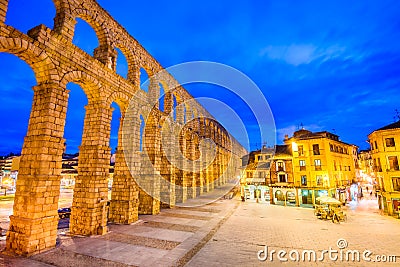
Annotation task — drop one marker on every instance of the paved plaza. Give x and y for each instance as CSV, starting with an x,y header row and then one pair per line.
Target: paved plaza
x,y
228,232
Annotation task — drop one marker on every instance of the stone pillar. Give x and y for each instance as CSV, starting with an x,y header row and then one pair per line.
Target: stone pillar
x,y
180,189
199,178
167,191
125,192
134,75
188,172
206,169
33,225
64,24
217,163
107,55
168,102
3,10
89,209
154,93
149,193
180,182
197,172
224,166
211,170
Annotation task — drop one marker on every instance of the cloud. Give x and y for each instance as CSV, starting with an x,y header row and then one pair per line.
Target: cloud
x,y
297,54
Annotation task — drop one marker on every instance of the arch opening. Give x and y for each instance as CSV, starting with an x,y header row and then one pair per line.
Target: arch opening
x,y
161,100
174,105
114,138
142,125
73,132
144,80
85,37
16,98
122,64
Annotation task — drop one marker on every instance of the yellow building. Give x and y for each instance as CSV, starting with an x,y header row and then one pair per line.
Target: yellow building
x,y
385,150
256,173
322,165
365,172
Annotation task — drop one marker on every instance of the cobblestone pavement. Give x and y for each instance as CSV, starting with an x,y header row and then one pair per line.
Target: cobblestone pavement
x,y
227,232
254,226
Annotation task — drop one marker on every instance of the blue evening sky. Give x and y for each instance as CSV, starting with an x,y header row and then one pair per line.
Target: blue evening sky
x,y
328,65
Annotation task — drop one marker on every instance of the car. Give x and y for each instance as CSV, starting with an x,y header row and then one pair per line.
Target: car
x,y
64,213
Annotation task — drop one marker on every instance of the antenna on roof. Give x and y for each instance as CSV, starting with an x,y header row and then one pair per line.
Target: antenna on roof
x,y
301,126
397,116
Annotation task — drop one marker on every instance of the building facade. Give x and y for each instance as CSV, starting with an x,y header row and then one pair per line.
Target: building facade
x,y
255,174
385,151
307,166
9,172
322,166
365,172
283,191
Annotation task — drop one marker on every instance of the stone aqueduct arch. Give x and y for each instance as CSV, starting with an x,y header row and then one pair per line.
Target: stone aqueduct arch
x,y
56,62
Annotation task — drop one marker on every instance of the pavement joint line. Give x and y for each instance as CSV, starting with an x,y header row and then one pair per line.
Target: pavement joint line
x,y
44,258
186,216
172,226
192,252
141,241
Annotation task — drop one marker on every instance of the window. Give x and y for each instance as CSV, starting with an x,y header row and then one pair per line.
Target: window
x,y
249,174
261,175
376,145
303,180
379,165
393,163
316,149
319,179
334,165
302,165
317,163
280,166
390,142
300,150
267,156
396,183
282,178
259,158
331,147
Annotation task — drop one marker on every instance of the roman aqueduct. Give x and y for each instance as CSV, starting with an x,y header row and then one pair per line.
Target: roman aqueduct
x,y
172,164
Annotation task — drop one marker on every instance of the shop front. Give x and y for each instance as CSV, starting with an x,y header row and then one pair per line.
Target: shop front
x,y
254,192
285,196
306,199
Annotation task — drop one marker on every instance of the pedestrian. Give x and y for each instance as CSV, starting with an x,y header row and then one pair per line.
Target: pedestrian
x,y
367,189
370,195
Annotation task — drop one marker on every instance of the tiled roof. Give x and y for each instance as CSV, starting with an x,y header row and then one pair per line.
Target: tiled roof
x,y
394,125
283,149
258,165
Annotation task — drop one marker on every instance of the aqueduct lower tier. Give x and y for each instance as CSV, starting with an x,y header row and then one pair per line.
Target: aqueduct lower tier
x,y
185,152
